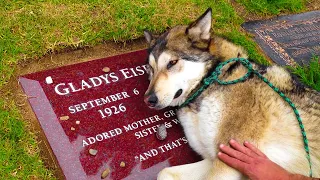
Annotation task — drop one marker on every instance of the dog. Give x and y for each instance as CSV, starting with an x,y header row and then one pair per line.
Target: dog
x,y
182,57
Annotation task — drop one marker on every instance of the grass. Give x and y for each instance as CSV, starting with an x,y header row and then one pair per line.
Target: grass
x,y
309,74
19,154
30,29
273,7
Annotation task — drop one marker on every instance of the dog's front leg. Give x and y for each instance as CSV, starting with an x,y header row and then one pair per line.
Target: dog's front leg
x,y
194,171
221,171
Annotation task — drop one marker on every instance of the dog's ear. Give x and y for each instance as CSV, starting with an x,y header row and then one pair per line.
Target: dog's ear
x,y
200,29
148,35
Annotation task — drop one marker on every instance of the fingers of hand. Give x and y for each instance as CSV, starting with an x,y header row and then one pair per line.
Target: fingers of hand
x,y
232,162
254,149
242,148
236,154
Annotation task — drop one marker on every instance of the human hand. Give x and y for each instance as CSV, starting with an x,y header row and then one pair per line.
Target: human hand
x,y
251,162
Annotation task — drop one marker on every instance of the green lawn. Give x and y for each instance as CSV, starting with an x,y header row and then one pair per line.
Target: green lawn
x,y
29,29
267,7
19,153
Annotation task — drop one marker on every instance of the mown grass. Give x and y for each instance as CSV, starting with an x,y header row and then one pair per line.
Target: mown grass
x,y
19,153
273,7
30,29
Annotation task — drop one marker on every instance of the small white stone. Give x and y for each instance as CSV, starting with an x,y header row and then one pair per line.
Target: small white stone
x,y
77,122
93,152
122,164
49,80
106,69
72,128
105,173
64,118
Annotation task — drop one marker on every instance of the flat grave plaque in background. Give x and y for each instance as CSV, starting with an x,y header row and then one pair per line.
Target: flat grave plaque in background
x,y
98,105
288,39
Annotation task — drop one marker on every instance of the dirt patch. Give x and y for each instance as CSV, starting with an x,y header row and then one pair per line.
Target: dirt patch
x,y
77,56
13,91
313,5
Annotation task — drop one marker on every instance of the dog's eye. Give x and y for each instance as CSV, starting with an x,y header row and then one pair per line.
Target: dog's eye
x,y
172,63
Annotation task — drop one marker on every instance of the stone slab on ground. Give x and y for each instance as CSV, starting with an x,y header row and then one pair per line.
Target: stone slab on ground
x,y
288,40
95,120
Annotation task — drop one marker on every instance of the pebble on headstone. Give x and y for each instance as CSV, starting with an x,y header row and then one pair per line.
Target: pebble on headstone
x,y
49,80
105,173
72,128
106,69
161,132
122,164
64,118
77,122
93,152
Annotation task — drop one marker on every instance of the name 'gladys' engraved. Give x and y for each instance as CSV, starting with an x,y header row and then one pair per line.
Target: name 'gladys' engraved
x,y
67,88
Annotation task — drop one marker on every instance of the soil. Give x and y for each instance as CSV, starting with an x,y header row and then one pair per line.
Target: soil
x,y
13,91
70,56
313,5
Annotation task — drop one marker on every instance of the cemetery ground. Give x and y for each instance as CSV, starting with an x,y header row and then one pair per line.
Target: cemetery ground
x,y
39,35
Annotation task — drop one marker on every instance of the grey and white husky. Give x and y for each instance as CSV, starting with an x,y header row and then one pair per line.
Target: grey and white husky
x,y
181,57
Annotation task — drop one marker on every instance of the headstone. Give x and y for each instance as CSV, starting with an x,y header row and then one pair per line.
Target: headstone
x,y
97,124
288,40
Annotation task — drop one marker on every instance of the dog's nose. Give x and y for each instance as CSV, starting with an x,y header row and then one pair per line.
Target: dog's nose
x,y
151,100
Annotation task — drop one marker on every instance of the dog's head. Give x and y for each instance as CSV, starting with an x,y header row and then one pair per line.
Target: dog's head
x,y
177,61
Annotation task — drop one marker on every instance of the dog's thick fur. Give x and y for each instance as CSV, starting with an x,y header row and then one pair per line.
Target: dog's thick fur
x,y
251,110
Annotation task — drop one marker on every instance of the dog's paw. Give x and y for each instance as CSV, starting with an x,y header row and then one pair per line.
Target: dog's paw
x,y
166,174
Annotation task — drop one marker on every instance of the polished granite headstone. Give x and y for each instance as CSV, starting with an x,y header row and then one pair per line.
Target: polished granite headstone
x,y
288,40
96,122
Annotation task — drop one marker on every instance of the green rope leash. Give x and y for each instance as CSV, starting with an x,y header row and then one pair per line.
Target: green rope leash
x,y
214,78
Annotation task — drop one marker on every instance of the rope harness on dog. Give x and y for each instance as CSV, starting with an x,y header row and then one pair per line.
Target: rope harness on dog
x,y
214,78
